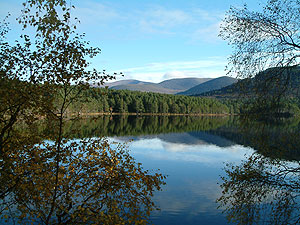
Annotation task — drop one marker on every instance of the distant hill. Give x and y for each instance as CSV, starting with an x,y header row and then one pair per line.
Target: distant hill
x,y
144,87
171,86
268,82
182,83
125,82
213,84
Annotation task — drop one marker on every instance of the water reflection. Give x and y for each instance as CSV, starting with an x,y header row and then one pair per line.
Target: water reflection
x,y
86,181
192,152
143,126
193,174
262,191
157,148
265,187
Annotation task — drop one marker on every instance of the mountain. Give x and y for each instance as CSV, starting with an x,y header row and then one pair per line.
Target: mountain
x,y
171,86
182,83
213,84
271,82
125,82
145,87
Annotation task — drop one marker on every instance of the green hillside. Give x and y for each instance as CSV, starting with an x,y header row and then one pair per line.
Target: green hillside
x,y
145,87
182,83
210,85
171,86
271,82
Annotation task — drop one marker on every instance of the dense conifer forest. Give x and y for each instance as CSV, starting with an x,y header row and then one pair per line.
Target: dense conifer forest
x,y
100,100
124,101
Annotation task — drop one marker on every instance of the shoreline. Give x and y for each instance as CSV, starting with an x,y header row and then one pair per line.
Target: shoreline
x,y
149,114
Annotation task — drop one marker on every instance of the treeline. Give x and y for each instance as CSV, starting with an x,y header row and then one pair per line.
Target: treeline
x,y
266,137
274,139
120,125
124,101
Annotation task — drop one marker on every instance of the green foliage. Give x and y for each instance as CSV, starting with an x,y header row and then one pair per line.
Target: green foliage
x,y
64,181
98,100
265,45
124,101
141,125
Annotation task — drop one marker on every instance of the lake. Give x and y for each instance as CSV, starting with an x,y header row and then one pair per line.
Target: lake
x,y
193,171
219,169
193,151
193,162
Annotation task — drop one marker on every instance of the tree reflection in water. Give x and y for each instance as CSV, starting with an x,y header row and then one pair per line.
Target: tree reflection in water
x,y
62,181
96,183
264,188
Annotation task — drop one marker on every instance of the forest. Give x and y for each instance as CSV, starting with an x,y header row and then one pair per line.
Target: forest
x,y
124,101
101,100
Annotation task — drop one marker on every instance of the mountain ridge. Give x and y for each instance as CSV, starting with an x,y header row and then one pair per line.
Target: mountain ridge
x,y
214,84
268,82
170,86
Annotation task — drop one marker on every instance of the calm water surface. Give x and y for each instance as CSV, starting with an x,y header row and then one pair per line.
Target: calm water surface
x,y
193,172
193,162
263,186
193,152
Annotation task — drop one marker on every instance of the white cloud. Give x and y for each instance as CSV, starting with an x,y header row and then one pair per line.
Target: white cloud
x,y
157,77
197,73
116,20
169,18
180,65
194,24
209,154
146,76
94,13
210,16
156,72
174,74
208,33
113,18
162,20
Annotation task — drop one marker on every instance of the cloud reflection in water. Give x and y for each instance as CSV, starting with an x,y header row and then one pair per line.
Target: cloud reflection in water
x,y
193,174
156,148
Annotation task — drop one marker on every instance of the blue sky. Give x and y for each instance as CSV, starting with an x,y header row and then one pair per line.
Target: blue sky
x,y
154,40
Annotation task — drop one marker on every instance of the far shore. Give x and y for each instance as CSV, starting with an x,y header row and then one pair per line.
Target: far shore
x,y
148,114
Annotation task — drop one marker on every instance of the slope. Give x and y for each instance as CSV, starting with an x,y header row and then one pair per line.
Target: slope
x,y
210,85
182,83
171,86
125,82
271,82
145,87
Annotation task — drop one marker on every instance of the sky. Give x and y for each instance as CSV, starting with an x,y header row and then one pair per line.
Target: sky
x,y
153,40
